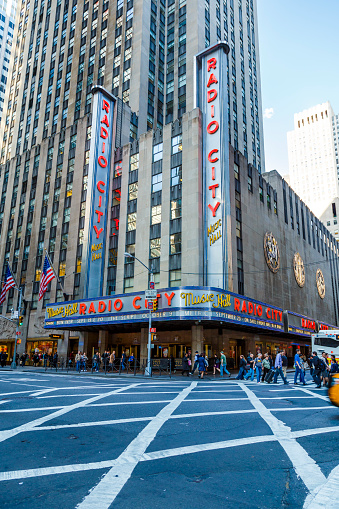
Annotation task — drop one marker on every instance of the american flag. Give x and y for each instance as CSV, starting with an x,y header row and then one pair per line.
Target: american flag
x,y
8,283
46,277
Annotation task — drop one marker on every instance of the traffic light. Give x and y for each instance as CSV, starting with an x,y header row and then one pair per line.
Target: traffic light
x,y
155,304
21,320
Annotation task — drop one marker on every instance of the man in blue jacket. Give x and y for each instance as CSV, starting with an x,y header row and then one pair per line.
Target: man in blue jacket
x,y
278,369
298,369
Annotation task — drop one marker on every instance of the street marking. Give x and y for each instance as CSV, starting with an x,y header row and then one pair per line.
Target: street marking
x,y
104,493
5,434
314,431
95,423
151,456
192,449
12,393
43,391
326,496
306,468
314,394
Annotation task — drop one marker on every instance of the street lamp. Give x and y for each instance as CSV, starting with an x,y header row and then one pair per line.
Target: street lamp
x,y
148,370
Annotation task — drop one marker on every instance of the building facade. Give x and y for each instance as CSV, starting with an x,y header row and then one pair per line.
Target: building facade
x,y
164,187
7,20
313,157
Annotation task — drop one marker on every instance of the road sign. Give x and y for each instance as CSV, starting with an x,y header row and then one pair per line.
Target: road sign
x,y
150,304
150,294
153,330
15,315
151,285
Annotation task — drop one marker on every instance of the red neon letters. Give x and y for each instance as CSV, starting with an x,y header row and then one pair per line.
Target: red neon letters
x,y
102,161
212,128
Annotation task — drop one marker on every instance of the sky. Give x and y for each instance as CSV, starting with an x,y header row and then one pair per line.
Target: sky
x,y
298,45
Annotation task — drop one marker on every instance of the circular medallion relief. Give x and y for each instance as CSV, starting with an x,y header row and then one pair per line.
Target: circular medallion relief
x,y
320,283
299,269
271,251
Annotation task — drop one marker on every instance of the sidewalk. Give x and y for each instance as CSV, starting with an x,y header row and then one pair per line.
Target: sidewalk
x,y
164,376
101,374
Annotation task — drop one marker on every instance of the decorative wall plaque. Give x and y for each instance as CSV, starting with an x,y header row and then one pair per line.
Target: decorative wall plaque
x,y
271,251
320,283
299,269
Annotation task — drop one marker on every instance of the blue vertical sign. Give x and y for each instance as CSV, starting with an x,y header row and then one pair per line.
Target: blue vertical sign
x,y
97,192
212,100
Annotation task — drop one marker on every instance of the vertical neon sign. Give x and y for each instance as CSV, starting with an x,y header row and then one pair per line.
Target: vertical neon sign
x,y
212,100
97,192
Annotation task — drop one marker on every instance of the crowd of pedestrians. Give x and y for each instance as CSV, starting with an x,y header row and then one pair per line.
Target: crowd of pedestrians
x,y
107,361
201,364
267,369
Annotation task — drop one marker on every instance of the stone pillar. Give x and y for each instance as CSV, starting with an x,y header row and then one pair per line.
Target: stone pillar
x,y
143,345
62,348
197,332
103,341
225,342
83,341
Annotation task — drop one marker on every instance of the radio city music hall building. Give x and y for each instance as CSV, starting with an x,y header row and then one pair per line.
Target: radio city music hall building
x,y
168,168
239,261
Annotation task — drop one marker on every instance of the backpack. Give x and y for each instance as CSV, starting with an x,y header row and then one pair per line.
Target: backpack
x,y
322,364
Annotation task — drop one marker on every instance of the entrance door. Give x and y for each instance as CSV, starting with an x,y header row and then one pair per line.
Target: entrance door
x,y
235,352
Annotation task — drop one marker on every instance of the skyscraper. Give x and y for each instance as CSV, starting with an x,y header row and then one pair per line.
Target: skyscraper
x,y
143,53
7,20
313,159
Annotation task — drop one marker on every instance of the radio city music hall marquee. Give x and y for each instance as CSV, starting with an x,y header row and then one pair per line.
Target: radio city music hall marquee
x,y
173,304
212,100
98,192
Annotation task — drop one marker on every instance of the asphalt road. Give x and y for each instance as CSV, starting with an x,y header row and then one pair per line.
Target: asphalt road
x,y
78,441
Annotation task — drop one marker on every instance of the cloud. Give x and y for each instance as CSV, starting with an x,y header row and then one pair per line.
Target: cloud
x,y
268,112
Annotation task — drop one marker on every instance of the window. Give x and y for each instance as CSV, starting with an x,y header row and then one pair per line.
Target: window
x,y
157,152
62,269
261,193
73,141
156,214
130,249
250,183
67,215
238,229
128,284
64,241
177,144
133,191
236,171
175,209
175,243
78,265
155,248
175,278
157,182
131,221
83,209
134,162
176,175
54,221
